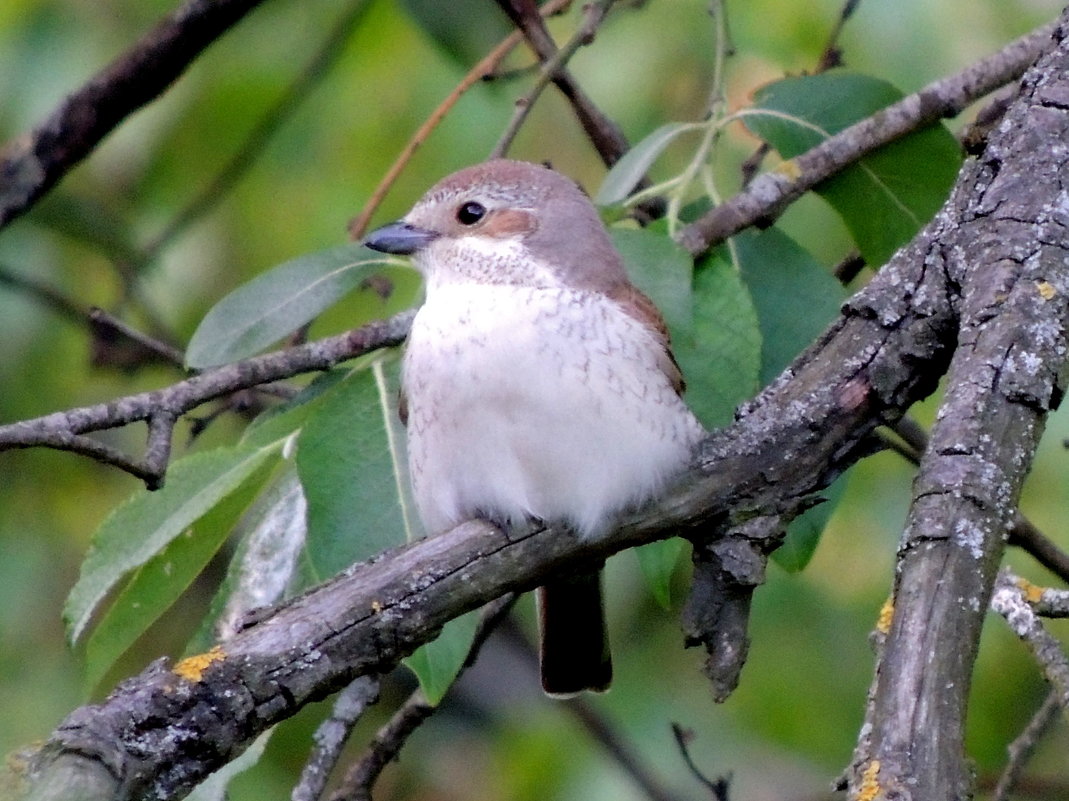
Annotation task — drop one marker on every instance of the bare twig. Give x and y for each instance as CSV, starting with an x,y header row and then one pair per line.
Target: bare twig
x,y
45,294
30,165
593,14
619,749
106,325
603,133
1009,601
718,787
389,740
1021,749
830,57
769,194
331,736
597,726
64,430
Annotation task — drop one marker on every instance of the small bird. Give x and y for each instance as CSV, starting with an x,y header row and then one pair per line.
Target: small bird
x,y
537,382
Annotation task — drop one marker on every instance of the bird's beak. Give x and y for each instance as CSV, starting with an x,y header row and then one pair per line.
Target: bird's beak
x,y
400,237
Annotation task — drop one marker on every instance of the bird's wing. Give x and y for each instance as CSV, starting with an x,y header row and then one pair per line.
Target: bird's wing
x,y
639,307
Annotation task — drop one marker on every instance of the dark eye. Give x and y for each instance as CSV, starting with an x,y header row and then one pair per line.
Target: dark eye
x,y
470,213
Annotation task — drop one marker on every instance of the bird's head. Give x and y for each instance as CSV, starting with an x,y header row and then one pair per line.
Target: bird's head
x,y
506,222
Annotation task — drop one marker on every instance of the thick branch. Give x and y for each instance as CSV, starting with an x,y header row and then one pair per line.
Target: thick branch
x,y
33,163
1005,246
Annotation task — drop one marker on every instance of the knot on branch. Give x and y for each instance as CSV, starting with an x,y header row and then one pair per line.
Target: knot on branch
x,y
727,570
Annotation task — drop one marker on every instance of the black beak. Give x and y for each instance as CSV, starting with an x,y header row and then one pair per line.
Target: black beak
x,y
400,238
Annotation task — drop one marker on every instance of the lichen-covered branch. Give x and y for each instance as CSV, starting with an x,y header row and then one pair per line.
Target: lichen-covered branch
x,y
1002,244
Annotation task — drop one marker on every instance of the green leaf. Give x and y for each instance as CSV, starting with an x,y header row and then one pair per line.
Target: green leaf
x,y
720,352
887,196
146,524
625,174
347,456
804,532
794,296
658,562
151,591
660,268
438,663
280,301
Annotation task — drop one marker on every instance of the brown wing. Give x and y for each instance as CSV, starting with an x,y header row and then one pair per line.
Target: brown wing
x,y
641,308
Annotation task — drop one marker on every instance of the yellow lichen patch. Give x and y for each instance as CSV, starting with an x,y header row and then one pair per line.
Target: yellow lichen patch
x,y
1046,290
376,606
1032,592
870,787
193,667
790,169
887,614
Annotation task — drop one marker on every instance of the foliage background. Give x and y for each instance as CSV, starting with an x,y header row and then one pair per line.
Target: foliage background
x,y
790,727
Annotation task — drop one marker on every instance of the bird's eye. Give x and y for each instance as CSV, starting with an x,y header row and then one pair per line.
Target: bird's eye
x,y
470,213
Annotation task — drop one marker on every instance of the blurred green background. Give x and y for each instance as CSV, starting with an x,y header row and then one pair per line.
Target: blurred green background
x,y
789,729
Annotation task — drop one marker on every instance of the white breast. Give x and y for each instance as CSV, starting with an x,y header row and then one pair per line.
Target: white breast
x,y
538,403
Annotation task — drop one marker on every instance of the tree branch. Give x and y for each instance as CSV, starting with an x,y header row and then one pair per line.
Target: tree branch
x,y
63,430
1005,248
768,195
1009,601
593,14
31,164
603,133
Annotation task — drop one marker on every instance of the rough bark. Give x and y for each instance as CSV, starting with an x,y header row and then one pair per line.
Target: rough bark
x,y
1002,243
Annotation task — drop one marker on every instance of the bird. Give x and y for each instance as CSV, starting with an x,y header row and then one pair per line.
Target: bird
x,y
537,383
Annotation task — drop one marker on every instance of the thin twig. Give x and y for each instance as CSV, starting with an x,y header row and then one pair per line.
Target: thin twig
x,y
102,322
389,740
718,787
32,164
771,193
594,13
63,430
605,135
253,146
596,725
44,293
830,57
1024,745
477,73
619,749
331,736
1009,601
